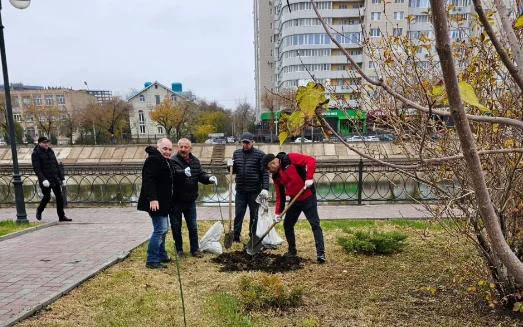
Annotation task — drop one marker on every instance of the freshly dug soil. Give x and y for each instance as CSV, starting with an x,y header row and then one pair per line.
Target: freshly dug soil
x,y
266,262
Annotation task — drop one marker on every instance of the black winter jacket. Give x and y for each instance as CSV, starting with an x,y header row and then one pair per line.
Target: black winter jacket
x,y
157,183
186,188
46,166
247,167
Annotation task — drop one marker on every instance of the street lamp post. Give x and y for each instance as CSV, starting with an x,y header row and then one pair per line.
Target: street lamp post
x,y
21,215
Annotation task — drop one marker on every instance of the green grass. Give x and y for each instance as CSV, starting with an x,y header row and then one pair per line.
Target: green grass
x,y
224,309
10,226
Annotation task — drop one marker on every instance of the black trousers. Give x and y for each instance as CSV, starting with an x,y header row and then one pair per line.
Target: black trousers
x,y
57,190
241,201
309,207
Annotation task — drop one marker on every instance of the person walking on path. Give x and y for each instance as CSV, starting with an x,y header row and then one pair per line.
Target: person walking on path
x,y
50,177
188,173
155,198
251,180
291,173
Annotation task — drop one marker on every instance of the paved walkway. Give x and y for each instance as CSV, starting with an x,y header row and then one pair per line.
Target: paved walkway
x,y
38,266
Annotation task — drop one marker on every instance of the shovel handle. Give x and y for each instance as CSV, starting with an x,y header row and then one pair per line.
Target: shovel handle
x,y
282,214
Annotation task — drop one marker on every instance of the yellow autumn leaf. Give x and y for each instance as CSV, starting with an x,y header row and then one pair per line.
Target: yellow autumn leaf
x,y
509,144
437,89
295,121
469,96
282,137
495,128
519,22
308,97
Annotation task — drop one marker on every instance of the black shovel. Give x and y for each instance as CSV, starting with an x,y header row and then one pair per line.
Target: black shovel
x,y
255,245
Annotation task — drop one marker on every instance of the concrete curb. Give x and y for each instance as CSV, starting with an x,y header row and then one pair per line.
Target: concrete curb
x,y
69,288
27,230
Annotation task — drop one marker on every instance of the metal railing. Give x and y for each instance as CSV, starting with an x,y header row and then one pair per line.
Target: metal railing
x,y
354,182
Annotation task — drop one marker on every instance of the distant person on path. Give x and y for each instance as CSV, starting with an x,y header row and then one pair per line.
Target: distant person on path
x,y
50,177
155,198
290,173
251,180
187,174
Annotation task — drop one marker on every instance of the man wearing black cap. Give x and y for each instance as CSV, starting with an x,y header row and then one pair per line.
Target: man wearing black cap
x,y
290,173
251,180
50,177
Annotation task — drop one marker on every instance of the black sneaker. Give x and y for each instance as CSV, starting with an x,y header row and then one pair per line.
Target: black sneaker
x,y
64,218
197,254
290,254
168,260
38,215
155,265
321,259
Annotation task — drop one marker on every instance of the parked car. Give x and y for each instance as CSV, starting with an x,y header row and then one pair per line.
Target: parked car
x,y
305,140
332,139
355,138
231,139
386,137
2,142
371,138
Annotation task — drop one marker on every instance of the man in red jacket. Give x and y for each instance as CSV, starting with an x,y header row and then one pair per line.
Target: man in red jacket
x,y
291,172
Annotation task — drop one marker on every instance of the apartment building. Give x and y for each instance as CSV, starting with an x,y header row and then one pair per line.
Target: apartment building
x,y
291,44
66,100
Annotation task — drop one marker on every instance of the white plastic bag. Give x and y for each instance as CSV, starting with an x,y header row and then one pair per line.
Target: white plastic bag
x,y
272,240
210,242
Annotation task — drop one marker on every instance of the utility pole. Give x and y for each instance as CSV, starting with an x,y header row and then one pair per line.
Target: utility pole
x,y
94,130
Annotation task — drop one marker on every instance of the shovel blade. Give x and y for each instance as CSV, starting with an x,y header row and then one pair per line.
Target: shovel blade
x,y
228,239
254,245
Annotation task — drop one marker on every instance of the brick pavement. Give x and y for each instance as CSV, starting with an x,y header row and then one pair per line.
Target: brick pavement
x,y
38,266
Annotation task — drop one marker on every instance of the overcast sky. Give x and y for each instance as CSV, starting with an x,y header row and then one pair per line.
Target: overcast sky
x,y
117,45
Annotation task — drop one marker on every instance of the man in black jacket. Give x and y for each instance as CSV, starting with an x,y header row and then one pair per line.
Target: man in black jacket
x,y
50,177
187,174
251,180
155,198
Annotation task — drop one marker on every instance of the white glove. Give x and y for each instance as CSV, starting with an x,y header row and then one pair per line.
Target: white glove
x,y
213,180
63,183
264,194
46,183
188,171
309,182
277,218
230,163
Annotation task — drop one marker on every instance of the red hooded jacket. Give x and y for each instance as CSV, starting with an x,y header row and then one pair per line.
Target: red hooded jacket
x,y
295,169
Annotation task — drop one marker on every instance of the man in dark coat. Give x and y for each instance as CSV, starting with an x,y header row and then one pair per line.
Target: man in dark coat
x,y
251,180
50,177
155,198
291,173
187,174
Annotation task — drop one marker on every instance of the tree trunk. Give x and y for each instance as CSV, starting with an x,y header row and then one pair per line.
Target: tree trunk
x,y
482,197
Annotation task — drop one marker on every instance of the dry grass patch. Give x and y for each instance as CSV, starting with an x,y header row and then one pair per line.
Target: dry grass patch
x,y
415,287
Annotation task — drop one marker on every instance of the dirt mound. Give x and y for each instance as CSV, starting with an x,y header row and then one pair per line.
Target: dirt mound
x,y
266,262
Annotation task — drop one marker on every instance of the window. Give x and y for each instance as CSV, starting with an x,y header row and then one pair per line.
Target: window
x,y
371,64
49,101
421,18
419,4
156,86
376,1
454,34
31,132
26,100
398,15
17,117
375,32
29,117
343,6
340,67
399,1
37,99
141,122
339,82
375,16
160,130
158,100
60,99
142,98
397,31
270,26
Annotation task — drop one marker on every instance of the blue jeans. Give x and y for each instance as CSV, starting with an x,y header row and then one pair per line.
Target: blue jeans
x,y
241,201
188,210
156,249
